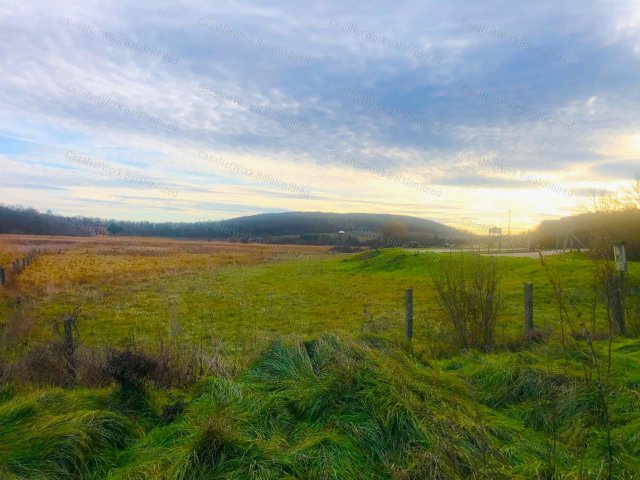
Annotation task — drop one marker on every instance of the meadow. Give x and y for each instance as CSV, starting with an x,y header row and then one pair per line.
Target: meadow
x,y
291,362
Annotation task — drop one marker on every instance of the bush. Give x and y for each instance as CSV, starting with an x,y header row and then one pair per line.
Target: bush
x,y
129,369
43,365
180,363
470,298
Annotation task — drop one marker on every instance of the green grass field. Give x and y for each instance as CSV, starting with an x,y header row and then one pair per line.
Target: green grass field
x,y
319,381
308,297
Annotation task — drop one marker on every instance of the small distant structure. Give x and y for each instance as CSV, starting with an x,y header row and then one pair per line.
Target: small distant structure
x,y
495,232
569,237
341,232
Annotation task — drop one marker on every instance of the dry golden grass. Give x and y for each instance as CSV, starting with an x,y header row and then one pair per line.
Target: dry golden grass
x,y
85,260
13,247
8,252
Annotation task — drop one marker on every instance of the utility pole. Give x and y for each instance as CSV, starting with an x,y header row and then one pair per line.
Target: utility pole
x,y
509,230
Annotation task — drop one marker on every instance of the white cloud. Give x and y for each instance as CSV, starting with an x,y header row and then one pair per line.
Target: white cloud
x,y
41,55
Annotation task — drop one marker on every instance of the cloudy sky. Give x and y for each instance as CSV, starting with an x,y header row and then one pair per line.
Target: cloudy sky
x,y
453,111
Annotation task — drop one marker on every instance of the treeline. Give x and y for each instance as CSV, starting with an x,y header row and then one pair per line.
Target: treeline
x,y
27,221
307,228
594,230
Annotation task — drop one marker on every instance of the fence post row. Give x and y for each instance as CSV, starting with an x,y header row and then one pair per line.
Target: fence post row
x,y
529,327
408,317
528,308
19,264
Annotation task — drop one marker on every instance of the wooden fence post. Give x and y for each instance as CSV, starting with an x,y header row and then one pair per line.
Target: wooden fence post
x,y
69,347
528,309
408,315
617,304
2,277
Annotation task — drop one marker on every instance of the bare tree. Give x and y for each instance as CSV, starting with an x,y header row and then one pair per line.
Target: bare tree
x,y
469,297
630,199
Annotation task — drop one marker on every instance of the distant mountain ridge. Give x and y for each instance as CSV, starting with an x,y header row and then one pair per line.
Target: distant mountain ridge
x,y
289,227
296,223
321,228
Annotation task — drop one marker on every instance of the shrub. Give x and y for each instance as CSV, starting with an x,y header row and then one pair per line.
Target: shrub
x,y
130,369
180,363
470,298
44,364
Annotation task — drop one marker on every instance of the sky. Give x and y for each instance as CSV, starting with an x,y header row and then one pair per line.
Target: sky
x,y
468,113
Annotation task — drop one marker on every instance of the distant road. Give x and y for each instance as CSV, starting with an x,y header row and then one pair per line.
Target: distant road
x,y
491,254
525,254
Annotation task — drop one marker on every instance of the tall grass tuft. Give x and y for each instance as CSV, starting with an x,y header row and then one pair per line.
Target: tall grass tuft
x,y
51,436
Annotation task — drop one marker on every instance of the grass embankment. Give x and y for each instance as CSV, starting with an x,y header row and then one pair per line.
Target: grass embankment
x,y
341,408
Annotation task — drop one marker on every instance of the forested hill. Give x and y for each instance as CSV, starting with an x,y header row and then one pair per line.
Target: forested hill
x,y
28,221
594,228
362,224
293,227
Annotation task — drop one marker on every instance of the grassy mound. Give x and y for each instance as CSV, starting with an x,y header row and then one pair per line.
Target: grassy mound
x,y
325,409
343,408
